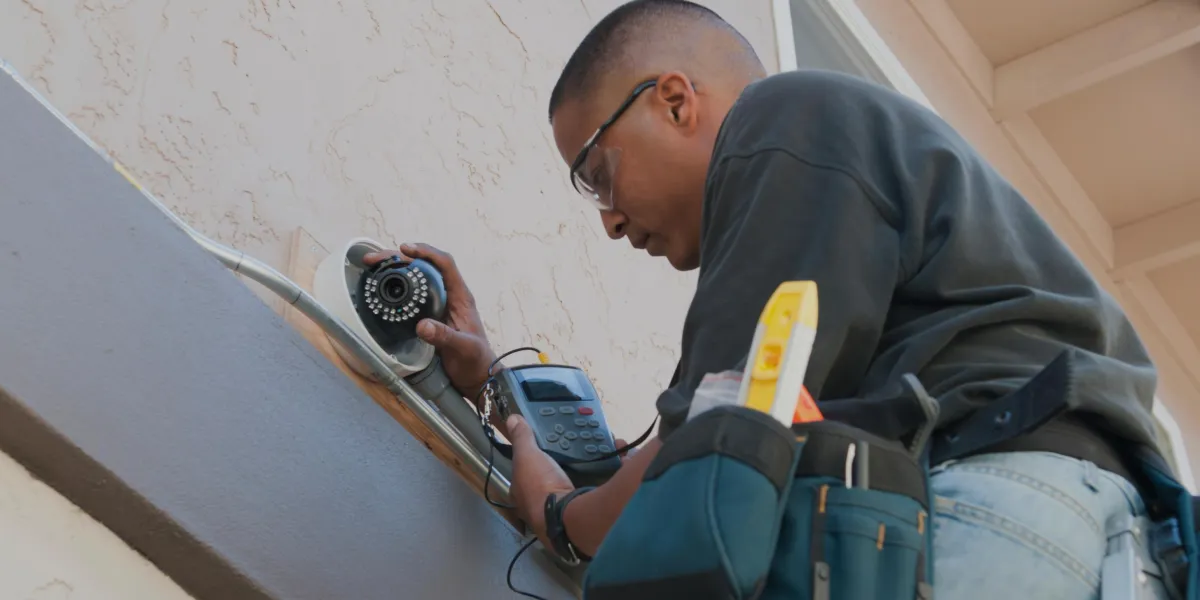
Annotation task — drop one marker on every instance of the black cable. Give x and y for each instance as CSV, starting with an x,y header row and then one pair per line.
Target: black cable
x,y
490,432
508,354
492,469
512,563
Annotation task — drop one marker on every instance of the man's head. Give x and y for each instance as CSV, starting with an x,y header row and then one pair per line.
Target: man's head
x,y
636,112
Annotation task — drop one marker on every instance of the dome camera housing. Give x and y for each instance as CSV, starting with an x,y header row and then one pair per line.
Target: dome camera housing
x,y
382,303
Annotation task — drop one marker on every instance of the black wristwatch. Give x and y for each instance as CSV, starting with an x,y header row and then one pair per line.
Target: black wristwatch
x,y
556,530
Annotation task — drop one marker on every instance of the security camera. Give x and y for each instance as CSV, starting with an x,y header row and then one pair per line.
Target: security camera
x,y
382,304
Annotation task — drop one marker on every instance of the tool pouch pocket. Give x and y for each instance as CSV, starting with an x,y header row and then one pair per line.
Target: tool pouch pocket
x,y
839,542
704,522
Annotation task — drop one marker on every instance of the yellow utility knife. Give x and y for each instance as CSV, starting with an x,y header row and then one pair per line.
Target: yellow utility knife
x,y
773,381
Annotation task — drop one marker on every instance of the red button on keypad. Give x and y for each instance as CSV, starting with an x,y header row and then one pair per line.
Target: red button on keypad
x,y
585,411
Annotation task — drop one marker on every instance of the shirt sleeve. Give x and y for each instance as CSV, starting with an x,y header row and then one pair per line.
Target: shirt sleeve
x,y
770,217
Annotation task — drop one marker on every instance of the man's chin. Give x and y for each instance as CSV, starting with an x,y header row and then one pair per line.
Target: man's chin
x,y
657,247
681,263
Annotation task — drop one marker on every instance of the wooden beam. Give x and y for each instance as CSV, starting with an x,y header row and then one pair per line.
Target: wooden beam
x,y
1085,59
1155,242
958,43
1045,163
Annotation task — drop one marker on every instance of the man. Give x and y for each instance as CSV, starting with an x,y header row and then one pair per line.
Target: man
x,y
927,262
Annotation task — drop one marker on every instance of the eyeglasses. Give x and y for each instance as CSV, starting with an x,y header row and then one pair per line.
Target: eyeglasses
x,y
593,169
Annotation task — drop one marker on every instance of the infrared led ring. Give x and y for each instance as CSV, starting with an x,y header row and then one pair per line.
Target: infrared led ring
x,y
395,295
396,292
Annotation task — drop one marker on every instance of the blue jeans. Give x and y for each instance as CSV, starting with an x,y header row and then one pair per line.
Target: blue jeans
x,y
1033,525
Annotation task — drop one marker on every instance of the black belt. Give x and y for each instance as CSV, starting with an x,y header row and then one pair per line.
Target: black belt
x,y
1069,436
1035,418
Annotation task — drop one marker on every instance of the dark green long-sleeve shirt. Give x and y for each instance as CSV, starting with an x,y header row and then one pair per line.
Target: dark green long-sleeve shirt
x,y
927,261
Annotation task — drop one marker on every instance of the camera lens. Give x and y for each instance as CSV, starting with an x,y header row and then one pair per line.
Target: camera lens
x,y
395,295
393,289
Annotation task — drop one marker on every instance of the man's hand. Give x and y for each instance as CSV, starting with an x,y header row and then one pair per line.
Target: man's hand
x,y
588,517
535,476
627,454
460,341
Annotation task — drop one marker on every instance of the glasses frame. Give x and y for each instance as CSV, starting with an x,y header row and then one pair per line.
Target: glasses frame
x,y
591,142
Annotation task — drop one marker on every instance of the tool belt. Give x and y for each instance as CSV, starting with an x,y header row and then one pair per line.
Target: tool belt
x,y
735,505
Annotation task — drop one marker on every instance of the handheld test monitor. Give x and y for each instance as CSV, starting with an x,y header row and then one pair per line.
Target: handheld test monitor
x,y
563,410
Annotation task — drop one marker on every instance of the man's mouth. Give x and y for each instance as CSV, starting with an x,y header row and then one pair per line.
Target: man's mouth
x,y
652,245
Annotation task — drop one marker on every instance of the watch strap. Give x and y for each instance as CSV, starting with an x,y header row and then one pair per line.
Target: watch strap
x,y
556,529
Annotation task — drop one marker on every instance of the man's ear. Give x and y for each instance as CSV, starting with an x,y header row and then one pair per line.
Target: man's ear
x,y
677,95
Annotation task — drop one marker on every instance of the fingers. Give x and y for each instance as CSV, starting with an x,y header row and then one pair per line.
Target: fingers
x,y
372,258
455,284
521,436
443,337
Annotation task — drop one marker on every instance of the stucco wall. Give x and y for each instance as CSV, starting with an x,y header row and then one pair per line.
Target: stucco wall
x,y
401,121
51,550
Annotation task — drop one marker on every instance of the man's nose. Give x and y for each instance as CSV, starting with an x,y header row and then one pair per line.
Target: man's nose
x,y
614,223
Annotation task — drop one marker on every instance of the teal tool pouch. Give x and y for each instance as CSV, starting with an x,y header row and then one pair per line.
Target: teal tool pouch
x,y
857,520
705,520
737,506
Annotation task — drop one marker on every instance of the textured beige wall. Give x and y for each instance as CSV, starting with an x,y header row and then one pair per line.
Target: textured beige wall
x,y
51,550
400,121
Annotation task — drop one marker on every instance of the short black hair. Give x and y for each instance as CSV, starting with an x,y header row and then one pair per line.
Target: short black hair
x,y
601,47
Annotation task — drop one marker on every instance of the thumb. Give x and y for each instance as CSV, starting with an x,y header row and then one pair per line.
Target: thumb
x,y
439,335
519,432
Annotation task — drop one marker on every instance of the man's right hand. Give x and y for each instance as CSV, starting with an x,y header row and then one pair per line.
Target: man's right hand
x,y
460,341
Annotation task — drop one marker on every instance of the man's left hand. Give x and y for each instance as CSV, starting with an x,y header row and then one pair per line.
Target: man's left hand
x,y
535,476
